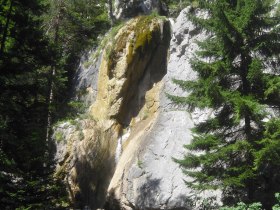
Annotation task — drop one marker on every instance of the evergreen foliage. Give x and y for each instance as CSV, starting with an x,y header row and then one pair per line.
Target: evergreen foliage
x,y
237,148
253,206
25,57
175,6
40,45
73,28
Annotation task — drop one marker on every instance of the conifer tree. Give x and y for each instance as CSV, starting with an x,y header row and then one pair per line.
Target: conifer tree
x,y
24,67
73,28
35,60
236,150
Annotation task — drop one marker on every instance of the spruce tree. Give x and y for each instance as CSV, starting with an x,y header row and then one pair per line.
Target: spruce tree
x,y
25,58
236,150
73,28
41,42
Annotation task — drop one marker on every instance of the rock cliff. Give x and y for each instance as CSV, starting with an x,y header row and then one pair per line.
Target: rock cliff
x,y
122,80
120,154
146,177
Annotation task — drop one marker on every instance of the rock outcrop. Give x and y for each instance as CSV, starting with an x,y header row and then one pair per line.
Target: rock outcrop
x,y
120,156
146,176
123,151
131,8
130,70
86,77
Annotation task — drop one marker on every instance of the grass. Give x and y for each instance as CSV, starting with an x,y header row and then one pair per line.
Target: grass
x,y
59,136
107,38
140,163
88,63
81,135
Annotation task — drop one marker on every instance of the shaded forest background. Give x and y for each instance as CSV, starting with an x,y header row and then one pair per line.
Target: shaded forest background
x,y
41,43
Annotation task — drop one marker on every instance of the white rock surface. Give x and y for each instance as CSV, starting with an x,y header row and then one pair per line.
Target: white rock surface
x,y
85,78
132,8
150,179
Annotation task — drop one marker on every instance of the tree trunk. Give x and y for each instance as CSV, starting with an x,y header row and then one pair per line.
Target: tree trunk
x,y
50,101
52,76
6,28
246,89
110,12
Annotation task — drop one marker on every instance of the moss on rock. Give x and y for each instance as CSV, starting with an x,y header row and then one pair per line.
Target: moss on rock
x,y
130,63
147,32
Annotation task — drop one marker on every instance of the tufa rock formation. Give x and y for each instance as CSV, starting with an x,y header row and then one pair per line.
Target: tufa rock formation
x,y
119,156
126,78
146,177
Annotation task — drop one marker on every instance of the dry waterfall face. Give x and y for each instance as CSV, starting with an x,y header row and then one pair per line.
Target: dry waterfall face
x,y
119,156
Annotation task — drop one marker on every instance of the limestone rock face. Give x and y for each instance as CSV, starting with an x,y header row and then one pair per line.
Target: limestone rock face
x,y
85,79
136,63
121,154
125,79
146,176
132,8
